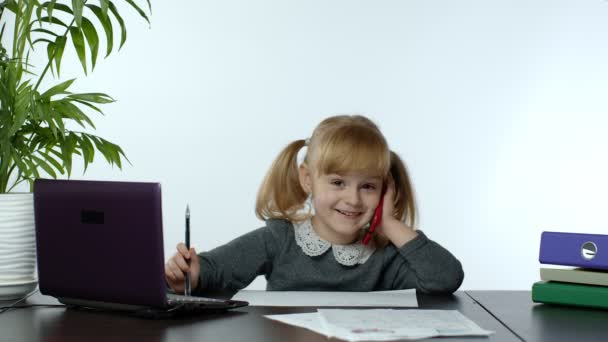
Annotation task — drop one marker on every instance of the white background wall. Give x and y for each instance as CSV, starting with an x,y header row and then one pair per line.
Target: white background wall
x,y
499,108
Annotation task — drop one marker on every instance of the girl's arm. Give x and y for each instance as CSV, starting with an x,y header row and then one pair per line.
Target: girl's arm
x,y
236,264
422,264
418,262
398,232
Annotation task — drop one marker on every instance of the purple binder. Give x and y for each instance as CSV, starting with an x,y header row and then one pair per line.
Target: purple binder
x,y
573,249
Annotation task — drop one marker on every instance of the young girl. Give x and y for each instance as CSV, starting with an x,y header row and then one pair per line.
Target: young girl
x,y
348,167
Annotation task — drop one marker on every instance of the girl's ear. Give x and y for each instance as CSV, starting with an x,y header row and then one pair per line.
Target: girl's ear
x,y
305,178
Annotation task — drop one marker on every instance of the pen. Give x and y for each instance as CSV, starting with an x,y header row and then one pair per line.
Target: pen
x,y
188,283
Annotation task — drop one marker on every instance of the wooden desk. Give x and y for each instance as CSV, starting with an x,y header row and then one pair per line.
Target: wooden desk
x,y
244,324
541,322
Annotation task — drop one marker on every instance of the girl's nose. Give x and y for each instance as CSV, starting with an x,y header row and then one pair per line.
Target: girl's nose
x,y
352,197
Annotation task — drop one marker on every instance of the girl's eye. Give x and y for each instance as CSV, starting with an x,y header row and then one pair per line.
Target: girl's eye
x,y
337,182
369,187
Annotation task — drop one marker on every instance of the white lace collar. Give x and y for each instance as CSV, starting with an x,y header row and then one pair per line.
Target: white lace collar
x,y
313,245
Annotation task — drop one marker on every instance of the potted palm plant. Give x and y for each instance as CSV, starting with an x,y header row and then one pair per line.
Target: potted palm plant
x,y
36,138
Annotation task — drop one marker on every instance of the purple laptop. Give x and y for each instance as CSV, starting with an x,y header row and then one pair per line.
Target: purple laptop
x,y
100,244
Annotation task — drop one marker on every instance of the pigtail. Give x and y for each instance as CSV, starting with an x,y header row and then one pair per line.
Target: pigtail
x,y
405,204
281,195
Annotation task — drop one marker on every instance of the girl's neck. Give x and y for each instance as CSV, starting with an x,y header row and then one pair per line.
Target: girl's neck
x,y
329,235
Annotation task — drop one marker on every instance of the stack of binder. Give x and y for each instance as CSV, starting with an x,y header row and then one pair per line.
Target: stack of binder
x,y
585,281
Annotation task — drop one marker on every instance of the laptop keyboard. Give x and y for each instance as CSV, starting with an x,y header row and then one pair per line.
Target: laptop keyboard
x,y
173,299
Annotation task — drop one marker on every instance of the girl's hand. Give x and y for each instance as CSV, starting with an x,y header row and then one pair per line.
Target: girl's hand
x,y
396,231
177,266
389,201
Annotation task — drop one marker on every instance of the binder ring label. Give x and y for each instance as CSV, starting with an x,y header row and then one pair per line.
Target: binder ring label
x,y
588,250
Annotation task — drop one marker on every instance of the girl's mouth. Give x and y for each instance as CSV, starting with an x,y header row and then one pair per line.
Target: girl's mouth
x,y
349,213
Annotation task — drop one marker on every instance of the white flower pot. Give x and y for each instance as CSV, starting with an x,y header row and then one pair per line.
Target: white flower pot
x,y
17,245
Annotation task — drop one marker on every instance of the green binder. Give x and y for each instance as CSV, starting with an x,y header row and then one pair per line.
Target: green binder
x,y
570,294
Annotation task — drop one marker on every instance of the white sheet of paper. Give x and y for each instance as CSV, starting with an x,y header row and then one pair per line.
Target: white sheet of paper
x,y
310,321
399,298
388,324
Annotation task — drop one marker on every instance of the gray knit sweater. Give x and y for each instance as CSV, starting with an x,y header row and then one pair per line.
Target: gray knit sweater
x,y
272,251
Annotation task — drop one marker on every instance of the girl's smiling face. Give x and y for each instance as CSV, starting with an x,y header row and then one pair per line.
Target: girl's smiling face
x,y
343,204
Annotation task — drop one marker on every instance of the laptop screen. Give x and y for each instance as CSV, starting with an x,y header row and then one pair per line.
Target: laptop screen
x,y
100,241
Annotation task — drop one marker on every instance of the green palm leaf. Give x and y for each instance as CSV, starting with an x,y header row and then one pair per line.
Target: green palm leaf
x,y
59,48
78,41
45,166
54,162
92,38
77,6
92,97
58,89
104,7
51,20
121,22
49,7
139,10
107,27
88,151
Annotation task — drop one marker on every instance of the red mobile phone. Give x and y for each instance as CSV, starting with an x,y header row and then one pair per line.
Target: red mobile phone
x,y
376,219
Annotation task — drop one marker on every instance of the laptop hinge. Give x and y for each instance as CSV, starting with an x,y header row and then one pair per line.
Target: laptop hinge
x,y
100,305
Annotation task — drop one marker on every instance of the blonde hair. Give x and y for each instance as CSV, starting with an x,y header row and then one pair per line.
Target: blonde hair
x,y
339,144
